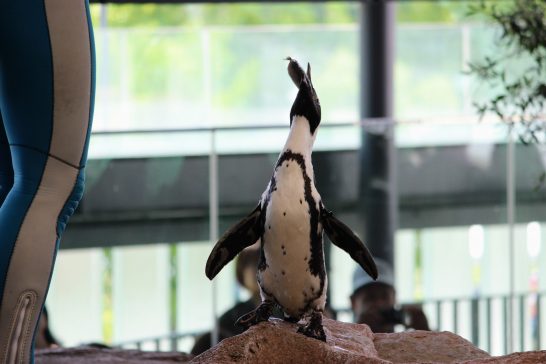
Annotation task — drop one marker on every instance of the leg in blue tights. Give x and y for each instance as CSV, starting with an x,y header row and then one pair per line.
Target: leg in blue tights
x,y
6,171
46,101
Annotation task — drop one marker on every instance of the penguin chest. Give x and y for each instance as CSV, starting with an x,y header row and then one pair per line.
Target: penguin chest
x,y
292,201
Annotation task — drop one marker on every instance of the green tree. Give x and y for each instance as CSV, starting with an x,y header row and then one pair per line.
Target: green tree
x,y
518,67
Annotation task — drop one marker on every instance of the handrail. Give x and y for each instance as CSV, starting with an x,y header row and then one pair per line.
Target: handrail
x,y
213,128
173,337
170,336
471,298
363,122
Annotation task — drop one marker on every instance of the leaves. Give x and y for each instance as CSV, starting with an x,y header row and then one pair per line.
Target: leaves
x,y
522,40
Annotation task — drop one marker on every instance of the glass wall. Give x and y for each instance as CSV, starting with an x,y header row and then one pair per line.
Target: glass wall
x,y
453,244
164,77
162,87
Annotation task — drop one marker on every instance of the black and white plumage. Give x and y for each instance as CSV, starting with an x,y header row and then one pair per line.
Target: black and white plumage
x,y
290,220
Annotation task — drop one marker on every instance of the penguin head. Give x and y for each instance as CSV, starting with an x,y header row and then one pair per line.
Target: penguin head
x,y
306,103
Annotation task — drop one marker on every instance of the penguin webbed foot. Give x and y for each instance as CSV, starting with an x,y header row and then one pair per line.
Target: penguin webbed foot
x,y
260,314
314,328
290,319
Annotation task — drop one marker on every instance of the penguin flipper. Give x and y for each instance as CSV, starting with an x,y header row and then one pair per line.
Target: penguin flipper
x,y
343,237
245,233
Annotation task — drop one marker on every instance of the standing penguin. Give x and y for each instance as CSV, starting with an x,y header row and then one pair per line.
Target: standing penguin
x,y
290,220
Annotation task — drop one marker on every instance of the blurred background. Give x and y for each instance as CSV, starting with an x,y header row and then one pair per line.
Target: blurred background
x,y
192,110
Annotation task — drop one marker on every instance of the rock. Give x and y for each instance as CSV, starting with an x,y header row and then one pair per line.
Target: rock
x,y
530,357
89,355
277,341
426,346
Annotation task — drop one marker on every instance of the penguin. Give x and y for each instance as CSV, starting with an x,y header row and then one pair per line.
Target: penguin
x,y
290,220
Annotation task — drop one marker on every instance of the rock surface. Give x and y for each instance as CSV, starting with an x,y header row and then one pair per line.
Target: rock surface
x,y
88,355
277,341
426,346
530,357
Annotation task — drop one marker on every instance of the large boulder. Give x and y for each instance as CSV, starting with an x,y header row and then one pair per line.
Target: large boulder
x,y
277,341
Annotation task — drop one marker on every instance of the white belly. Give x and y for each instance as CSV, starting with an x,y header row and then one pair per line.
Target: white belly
x,y
287,246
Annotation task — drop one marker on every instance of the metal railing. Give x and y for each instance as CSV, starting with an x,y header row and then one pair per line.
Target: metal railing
x,y
483,320
486,320
169,342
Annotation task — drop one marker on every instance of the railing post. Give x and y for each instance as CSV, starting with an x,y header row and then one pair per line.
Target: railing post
x,y
439,315
488,322
455,315
213,228
511,212
506,325
173,294
522,322
475,320
539,322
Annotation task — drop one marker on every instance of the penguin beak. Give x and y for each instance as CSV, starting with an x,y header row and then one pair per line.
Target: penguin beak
x,y
295,72
306,103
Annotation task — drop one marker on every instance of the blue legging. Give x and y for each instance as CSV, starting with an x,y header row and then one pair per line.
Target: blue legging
x,y
46,102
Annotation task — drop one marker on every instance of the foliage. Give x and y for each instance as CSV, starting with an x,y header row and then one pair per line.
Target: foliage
x,y
338,12
431,11
155,15
518,70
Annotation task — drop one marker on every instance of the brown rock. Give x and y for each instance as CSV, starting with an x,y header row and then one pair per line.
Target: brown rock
x,y
531,357
277,341
426,347
88,355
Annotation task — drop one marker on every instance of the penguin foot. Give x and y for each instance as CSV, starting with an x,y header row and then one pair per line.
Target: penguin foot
x,y
260,314
291,319
313,332
314,328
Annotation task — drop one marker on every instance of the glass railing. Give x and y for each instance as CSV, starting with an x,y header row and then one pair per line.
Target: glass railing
x,y
454,239
482,320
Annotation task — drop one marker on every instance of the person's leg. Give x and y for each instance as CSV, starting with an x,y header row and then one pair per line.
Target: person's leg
x,y
46,98
6,170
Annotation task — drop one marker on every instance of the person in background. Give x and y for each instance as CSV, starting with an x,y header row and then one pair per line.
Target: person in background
x,y
245,270
374,302
44,337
